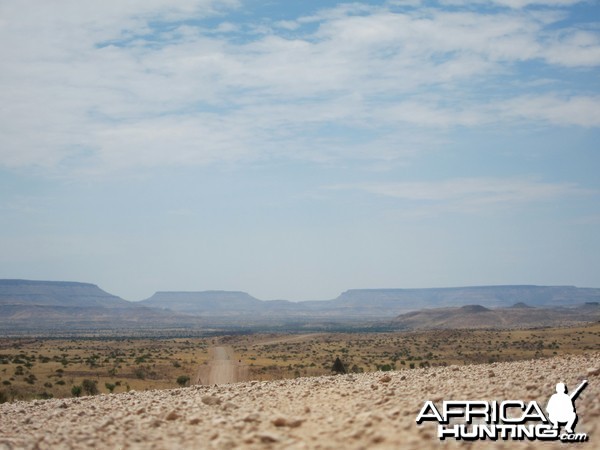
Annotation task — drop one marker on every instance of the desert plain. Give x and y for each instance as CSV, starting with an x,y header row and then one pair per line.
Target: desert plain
x,y
280,390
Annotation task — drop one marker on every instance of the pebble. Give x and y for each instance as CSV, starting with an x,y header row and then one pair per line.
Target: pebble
x,y
285,422
173,415
211,400
385,379
254,417
268,437
593,371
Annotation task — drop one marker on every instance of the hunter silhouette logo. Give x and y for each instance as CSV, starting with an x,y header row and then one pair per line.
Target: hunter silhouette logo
x,y
561,407
509,419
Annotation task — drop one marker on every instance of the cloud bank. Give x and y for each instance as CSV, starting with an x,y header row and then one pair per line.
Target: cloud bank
x,y
99,87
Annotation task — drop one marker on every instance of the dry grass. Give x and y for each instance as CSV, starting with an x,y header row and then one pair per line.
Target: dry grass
x,y
273,356
38,368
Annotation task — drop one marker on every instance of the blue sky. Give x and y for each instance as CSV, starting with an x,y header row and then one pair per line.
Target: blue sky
x,y
298,149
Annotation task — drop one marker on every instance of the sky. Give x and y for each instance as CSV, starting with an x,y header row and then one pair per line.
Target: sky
x,y
297,149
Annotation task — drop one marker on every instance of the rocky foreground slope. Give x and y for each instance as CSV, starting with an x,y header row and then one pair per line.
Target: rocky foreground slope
x,y
359,411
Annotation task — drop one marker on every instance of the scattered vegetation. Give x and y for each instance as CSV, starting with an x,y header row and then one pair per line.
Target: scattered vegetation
x,y
45,368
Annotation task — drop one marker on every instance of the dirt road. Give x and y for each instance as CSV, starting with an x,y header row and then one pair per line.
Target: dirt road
x,y
223,368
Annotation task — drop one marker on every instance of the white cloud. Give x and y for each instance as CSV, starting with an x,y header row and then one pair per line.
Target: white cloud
x,y
574,48
576,111
517,4
98,83
468,195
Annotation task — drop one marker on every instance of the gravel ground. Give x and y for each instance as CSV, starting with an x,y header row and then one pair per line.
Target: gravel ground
x,y
358,411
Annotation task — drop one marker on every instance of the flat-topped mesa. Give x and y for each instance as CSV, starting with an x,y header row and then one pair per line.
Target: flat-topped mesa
x,y
57,293
488,296
203,301
31,304
225,304
61,306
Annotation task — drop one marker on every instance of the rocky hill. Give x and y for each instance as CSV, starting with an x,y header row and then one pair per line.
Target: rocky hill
x,y
358,411
477,316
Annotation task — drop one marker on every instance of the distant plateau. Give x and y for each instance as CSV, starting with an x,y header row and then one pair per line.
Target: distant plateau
x,y
53,306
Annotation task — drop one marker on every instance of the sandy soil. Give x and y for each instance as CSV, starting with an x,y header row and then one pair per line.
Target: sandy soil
x,y
358,411
288,339
223,368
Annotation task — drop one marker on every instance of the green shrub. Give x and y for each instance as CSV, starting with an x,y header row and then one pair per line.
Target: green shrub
x,y
183,380
90,387
76,391
338,366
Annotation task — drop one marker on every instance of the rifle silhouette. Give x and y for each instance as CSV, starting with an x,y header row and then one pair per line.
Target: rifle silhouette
x,y
576,392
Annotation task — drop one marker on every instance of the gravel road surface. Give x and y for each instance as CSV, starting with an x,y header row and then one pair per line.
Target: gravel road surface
x,y
358,411
223,368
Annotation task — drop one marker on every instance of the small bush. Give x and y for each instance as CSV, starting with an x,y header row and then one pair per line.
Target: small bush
x,y
90,387
357,369
76,391
183,380
338,366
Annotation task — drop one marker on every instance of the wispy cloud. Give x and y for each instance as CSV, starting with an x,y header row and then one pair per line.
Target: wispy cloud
x,y
468,195
518,4
111,86
578,111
